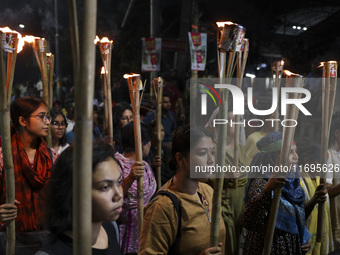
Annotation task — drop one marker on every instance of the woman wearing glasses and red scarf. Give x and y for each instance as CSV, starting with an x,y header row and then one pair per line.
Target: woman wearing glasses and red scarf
x,y
58,129
32,169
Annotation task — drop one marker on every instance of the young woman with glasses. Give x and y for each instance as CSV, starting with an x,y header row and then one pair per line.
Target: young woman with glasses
x,y
58,128
32,161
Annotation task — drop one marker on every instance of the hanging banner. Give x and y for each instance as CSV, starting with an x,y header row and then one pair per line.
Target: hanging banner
x,y
151,54
198,50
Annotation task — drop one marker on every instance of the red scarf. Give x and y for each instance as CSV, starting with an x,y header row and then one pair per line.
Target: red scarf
x,y
30,184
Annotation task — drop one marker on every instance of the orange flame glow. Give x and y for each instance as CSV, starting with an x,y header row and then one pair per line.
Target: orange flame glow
x,y
103,40
288,73
21,42
96,39
30,38
222,23
127,76
321,64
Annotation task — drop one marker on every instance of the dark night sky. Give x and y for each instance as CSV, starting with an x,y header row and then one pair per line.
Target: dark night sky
x,y
261,18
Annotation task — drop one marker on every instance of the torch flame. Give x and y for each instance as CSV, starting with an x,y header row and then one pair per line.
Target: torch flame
x,y
102,70
21,42
30,38
321,64
282,63
103,40
48,54
222,23
127,76
96,40
288,73
6,30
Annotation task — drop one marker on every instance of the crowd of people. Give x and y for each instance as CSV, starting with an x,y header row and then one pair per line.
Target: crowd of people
x,y
177,219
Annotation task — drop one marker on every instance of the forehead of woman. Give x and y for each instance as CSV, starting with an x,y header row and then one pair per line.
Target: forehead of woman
x,y
203,142
107,170
41,109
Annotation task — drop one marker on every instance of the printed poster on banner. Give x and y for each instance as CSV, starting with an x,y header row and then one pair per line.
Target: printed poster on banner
x,y
151,54
198,50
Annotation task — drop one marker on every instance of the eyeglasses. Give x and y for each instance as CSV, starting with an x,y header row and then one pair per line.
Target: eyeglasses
x,y
57,124
42,116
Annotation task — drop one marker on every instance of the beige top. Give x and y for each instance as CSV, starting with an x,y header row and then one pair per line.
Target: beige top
x,y
161,222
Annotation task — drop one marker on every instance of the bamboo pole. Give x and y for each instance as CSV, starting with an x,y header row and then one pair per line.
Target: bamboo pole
x,y
135,86
292,80
50,69
40,55
277,67
104,90
74,35
82,163
221,149
158,91
329,79
105,47
39,48
324,143
229,40
5,97
333,69
241,64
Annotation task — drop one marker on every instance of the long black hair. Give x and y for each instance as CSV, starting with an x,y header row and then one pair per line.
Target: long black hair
x,y
23,107
117,129
59,192
128,138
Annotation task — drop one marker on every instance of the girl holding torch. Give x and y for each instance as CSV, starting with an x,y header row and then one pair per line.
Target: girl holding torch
x,y
163,230
131,170
32,168
291,235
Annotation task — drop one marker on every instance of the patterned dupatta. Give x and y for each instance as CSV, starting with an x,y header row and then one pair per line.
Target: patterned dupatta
x,y
30,184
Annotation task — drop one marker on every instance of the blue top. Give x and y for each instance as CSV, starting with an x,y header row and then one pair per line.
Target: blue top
x,y
169,123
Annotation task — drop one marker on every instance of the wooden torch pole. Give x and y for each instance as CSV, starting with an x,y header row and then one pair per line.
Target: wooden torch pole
x,y
241,63
277,67
82,154
292,80
135,86
50,69
39,48
104,90
333,69
158,90
222,134
105,47
329,79
5,120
